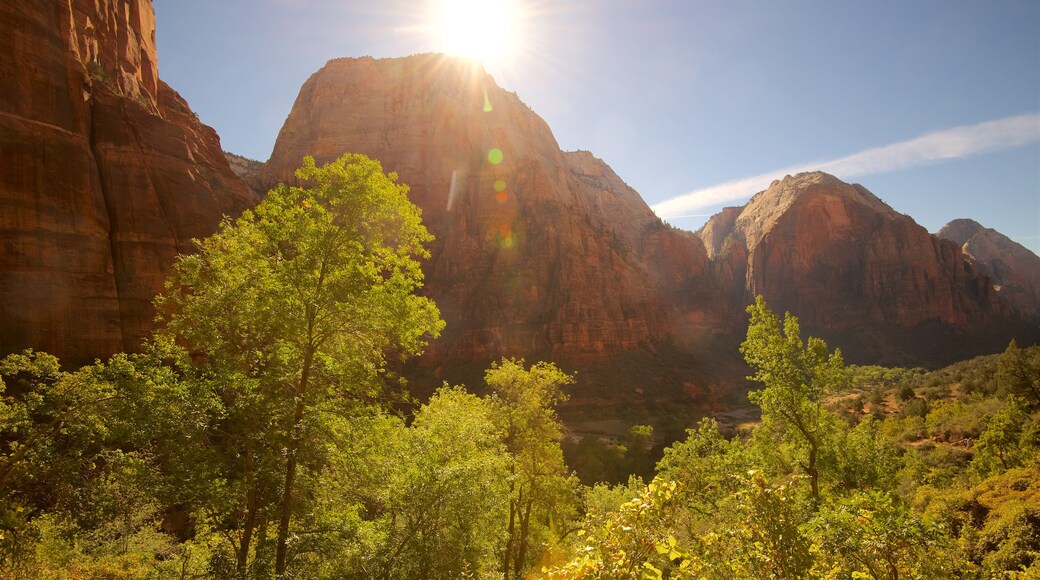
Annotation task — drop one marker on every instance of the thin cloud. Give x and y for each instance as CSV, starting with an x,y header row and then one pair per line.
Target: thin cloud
x,y
953,143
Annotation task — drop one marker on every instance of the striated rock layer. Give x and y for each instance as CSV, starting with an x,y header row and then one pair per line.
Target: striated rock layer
x,y
105,174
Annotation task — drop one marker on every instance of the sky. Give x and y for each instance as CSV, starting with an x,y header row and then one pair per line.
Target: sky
x,y
933,105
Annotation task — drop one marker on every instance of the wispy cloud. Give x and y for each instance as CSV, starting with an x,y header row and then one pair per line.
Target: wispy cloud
x,y
952,143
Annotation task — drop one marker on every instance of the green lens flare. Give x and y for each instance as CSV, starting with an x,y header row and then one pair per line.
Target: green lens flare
x,y
500,185
495,156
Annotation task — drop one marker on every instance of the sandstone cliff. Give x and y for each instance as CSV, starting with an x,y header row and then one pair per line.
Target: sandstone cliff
x,y
540,252
106,175
537,251
1014,270
859,273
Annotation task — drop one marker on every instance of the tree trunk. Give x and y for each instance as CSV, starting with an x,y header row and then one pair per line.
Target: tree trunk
x,y
509,543
290,464
521,552
251,508
814,475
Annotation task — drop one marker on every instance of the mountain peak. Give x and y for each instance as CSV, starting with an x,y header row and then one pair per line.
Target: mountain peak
x,y
960,230
767,207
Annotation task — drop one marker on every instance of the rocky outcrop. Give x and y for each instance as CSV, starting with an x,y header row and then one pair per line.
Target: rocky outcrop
x,y
537,251
861,274
106,175
1013,269
248,170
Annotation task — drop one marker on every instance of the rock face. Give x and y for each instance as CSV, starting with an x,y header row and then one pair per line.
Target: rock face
x,y
1014,270
248,170
857,272
537,251
105,174
540,252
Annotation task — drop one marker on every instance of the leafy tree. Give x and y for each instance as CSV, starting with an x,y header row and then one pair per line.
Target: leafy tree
x,y
796,377
292,310
540,489
871,535
446,496
633,542
1018,372
707,465
1006,441
638,442
758,533
84,477
864,459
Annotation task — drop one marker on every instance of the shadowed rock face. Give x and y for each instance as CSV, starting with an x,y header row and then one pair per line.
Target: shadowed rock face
x,y
106,175
1013,269
537,251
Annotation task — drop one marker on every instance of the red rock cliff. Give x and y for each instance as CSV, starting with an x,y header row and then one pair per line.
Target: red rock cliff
x,y
105,174
855,271
537,251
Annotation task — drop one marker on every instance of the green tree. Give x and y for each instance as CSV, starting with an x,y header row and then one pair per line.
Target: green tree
x,y
447,492
706,463
292,309
1018,372
871,535
795,377
638,441
1006,441
540,488
635,541
83,462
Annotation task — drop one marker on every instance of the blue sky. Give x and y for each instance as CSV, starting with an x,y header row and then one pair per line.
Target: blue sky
x,y
932,105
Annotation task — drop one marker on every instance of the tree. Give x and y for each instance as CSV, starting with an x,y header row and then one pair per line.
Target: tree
x,y
447,492
292,309
872,535
706,463
81,471
1018,372
795,376
524,410
634,541
1001,446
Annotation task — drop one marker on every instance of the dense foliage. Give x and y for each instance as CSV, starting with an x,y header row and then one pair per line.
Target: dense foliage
x,y
853,472
258,436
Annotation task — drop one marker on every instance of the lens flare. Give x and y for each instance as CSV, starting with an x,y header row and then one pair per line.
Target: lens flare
x,y
506,233
495,156
500,185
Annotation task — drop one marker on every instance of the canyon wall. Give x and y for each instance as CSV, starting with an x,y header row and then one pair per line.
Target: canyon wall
x,y
105,175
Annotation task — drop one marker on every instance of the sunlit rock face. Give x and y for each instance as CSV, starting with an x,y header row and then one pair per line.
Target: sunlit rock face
x,y
547,253
105,174
1012,268
537,251
855,271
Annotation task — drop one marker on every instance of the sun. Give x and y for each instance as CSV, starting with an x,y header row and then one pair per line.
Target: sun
x,y
486,31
